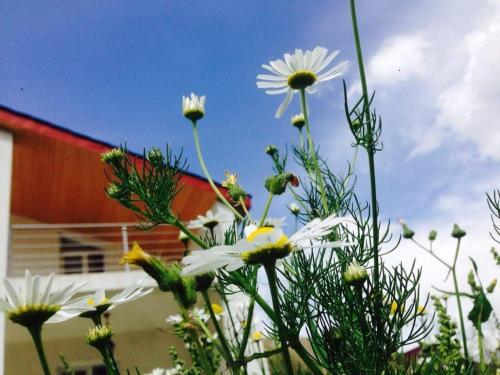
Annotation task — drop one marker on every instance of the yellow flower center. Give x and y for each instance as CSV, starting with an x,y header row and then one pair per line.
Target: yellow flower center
x,y
217,309
33,315
257,336
301,79
269,251
136,256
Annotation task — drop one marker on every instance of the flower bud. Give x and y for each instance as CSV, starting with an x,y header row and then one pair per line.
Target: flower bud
x,y
432,235
183,237
457,232
471,280
193,108
271,150
355,274
407,232
492,286
298,121
99,336
294,208
155,157
113,156
234,190
277,184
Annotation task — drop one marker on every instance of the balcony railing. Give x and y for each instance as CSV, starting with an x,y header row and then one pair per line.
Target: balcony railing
x,y
84,248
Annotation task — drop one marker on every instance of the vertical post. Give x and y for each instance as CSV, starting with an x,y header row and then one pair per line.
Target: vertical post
x,y
6,153
125,244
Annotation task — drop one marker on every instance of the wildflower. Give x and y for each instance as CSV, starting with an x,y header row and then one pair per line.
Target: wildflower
x,y
217,309
209,221
193,108
457,232
234,190
298,121
113,156
294,208
257,336
298,71
36,305
261,245
99,336
355,274
100,303
136,256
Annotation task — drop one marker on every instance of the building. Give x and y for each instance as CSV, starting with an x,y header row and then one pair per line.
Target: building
x,y
55,217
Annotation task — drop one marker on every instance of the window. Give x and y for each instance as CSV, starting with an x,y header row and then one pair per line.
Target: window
x,y
77,257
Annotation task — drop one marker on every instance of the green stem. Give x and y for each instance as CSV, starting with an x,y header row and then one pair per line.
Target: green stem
x,y
371,162
266,209
459,303
190,234
312,151
36,334
109,360
207,175
246,330
270,269
480,343
222,337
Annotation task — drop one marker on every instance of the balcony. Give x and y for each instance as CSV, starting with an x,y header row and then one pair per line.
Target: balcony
x,y
71,249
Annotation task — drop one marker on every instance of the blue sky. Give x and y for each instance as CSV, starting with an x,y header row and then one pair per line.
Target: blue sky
x,y
116,71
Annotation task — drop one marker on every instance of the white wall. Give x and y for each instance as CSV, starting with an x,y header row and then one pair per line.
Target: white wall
x,y
6,151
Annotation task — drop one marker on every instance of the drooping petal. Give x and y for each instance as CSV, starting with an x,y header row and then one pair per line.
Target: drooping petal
x,y
284,104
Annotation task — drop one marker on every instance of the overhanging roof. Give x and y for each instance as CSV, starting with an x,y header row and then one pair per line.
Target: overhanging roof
x,y
58,176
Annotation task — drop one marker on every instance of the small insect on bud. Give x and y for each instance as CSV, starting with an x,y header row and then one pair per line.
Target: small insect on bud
x,y
457,232
492,286
355,274
432,235
271,150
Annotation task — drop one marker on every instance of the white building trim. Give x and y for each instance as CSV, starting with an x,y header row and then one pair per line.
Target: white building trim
x,y
6,153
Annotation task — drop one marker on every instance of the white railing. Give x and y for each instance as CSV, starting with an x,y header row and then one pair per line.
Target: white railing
x,y
84,248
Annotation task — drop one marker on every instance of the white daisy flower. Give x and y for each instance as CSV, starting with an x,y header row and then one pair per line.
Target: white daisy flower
x,y
260,245
165,371
275,222
36,305
301,70
193,108
174,319
100,303
209,221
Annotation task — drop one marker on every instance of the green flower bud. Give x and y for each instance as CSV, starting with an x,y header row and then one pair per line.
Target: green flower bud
x,y
271,150
432,235
277,184
492,286
99,336
155,157
471,280
407,232
355,274
113,156
457,232
294,208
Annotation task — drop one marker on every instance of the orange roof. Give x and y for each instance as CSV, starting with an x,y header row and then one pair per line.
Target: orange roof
x,y
58,176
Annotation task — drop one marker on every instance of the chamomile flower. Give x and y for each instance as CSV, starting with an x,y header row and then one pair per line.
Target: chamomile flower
x,y
100,303
193,108
36,305
260,245
209,221
298,71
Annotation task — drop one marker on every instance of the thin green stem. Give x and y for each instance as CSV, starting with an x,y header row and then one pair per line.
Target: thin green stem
x,y
246,330
36,334
190,234
270,269
207,174
370,149
266,209
480,344
312,151
459,303
432,253
221,336
244,207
